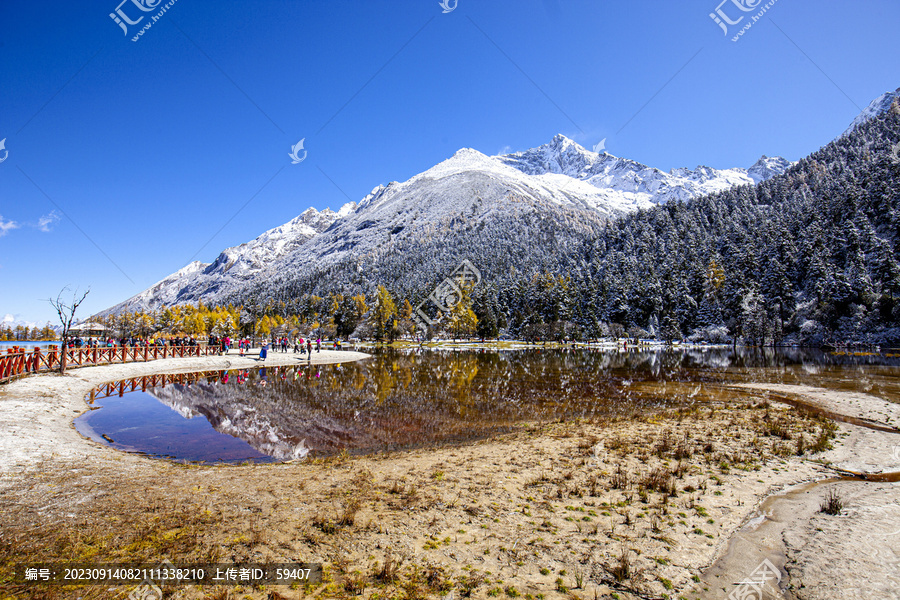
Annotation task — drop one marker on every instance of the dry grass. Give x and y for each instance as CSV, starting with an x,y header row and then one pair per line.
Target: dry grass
x,y
41,525
832,504
486,517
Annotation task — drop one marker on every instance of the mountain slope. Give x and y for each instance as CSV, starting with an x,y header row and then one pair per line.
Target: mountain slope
x,y
559,182
235,266
875,108
811,256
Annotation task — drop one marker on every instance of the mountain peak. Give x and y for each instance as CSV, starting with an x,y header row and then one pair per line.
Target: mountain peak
x,y
767,167
563,144
560,155
317,220
561,141
875,108
466,153
346,209
465,159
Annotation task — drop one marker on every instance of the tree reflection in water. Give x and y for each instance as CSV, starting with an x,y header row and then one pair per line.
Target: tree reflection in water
x,y
402,399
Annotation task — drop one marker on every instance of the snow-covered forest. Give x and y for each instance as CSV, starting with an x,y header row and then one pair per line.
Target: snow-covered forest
x,y
809,256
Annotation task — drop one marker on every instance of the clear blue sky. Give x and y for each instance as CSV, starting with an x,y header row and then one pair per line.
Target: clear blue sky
x,y
129,159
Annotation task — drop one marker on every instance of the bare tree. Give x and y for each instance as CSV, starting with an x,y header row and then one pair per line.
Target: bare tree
x,y
66,311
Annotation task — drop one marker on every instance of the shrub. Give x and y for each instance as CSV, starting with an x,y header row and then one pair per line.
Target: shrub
x,y
621,569
832,504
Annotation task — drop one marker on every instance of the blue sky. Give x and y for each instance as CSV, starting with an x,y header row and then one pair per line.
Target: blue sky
x,y
127,160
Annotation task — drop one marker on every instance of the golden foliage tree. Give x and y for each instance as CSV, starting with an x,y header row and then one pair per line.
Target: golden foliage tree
x,y
383,316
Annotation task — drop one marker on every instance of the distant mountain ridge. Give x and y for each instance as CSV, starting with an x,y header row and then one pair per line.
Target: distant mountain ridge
x,y
558,177
13,321
519,213
878,106
239,264
634,180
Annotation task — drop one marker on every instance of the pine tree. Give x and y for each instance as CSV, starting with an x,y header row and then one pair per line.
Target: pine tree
x,y
670,330
887,270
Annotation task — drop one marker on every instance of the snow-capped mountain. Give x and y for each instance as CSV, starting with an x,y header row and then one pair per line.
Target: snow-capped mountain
x,y
767,168
13,321
237,265
229,411
625,183
244,261
879,105
559,187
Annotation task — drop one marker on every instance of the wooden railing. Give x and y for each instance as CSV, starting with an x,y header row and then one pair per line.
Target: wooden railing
x,y
123,386
18,362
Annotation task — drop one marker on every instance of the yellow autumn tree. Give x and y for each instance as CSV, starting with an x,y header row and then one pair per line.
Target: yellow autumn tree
x,y
461,319
383,316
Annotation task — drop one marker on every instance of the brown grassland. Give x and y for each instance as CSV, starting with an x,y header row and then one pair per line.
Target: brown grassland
x,y
627,508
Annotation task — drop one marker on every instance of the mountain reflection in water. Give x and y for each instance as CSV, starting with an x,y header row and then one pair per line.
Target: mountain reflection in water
x,y
403,399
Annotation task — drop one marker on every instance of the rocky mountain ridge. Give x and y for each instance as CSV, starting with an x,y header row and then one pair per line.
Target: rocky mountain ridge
x,y
529,203
560,176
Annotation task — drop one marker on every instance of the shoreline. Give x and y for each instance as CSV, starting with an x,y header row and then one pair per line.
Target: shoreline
x,y
39,422
498,511
808,547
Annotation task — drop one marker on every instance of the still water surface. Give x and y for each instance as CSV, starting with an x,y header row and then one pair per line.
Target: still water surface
x,y
29,346
404,399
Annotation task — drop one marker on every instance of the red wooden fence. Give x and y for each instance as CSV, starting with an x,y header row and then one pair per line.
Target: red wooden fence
x,y
18,362
123,386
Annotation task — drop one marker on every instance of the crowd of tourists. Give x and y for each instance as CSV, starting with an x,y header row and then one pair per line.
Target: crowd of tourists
x,y
224,343
138,342
298,344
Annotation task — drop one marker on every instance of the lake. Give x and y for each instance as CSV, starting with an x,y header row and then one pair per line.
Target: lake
x,y
412,398
30,346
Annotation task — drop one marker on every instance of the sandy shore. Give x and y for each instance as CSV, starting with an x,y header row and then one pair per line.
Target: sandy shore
x,y
36,413
853,555
674,504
